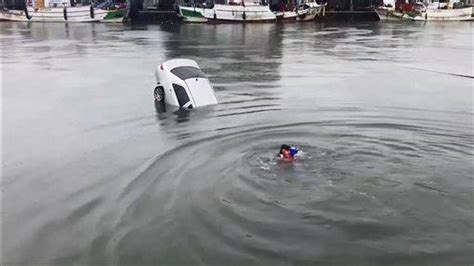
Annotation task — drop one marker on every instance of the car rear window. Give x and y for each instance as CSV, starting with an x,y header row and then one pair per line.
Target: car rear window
x,y
186,72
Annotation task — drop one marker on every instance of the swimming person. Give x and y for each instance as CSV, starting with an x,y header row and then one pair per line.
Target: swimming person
x,y
289,163
288,153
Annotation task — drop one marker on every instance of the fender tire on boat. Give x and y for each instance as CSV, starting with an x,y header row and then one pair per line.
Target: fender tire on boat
x,y
27,14
65,13
215,16
244,16
91,11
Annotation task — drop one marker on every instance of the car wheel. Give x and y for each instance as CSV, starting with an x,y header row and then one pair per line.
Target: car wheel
x,y
159,94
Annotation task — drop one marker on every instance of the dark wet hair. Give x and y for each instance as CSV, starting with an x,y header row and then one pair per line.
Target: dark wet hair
x,y
284,147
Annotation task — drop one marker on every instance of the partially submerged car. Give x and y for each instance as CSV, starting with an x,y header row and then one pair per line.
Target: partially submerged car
x,y
182,83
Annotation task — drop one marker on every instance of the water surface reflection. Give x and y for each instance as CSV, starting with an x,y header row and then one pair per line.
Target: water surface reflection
x,y
94,175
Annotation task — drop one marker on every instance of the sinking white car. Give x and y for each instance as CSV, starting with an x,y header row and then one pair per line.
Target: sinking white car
x,y
182,83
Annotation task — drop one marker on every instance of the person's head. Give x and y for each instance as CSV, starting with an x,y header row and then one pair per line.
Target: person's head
x,y
285,152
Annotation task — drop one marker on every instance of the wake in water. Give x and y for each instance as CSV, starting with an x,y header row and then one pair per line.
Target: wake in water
x,y
353,186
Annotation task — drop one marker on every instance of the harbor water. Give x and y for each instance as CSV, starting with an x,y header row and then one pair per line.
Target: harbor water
x,y
92,174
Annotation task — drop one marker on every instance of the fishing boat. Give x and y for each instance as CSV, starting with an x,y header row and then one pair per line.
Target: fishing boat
x,y
115,15
388,13
46,11
425,12
233,11
308,10
116,11
192,14
305,11
285,11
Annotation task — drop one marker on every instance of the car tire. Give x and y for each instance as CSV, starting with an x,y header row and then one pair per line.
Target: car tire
x,y
159,94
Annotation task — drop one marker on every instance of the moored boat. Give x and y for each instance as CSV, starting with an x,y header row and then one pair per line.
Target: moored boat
x,y
425,12
389,13
457,14
192,14
235,11
309,10
116,11
115,15
44,12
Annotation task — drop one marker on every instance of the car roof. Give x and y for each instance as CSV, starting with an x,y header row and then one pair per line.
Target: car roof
x,y
173,63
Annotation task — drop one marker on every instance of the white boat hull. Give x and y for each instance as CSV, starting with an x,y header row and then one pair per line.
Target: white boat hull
x,y
446,14
192,14
228,13
286,16
461,14
55,14
309,13
306,16
389,14
194,19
